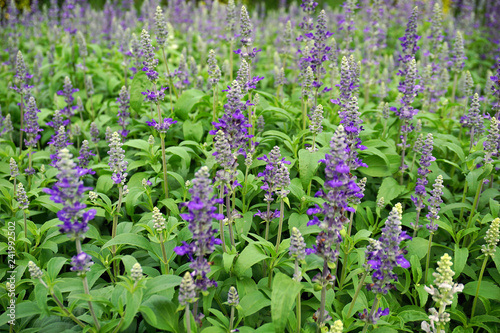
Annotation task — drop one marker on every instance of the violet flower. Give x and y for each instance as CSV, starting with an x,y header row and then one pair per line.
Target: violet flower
x,y
150,62
495,91
81,263
22,77
70,192
160,27
67,92
86,155
201,212
162,127
492,142
273,177
117,161
58,141
214,73
473,120
409,42
123,101
31,123
434,202
94,133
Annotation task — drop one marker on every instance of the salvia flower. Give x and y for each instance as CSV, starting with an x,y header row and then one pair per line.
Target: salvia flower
x,y
273,177
458,54
409,42
14,169
187,292
89,85
161,27
491,144
58,120
339,186
492,238
123,101
337,327
94,133
468,84
7,127
230,20
214,73
81,263
202,211
136,272
389,255
226,159
155,95
117,161
22,77
473,119
150,62
31,123
495,91
307,83
159,220
163,127
372,318
232,297
297,245
69,191
316,118
86,155
21,196
436,35
82,45
58,141
35,271
434,204
245,27
425,161
442,295
67,92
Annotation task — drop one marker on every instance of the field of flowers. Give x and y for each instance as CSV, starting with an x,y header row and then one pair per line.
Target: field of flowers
x,y
211,167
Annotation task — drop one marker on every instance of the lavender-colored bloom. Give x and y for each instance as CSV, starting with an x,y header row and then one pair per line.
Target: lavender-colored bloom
x,y
85,156
425,161
297,245
31,123
201,212
492,141
7,125
388,255
339,186
22,77
473,119
161,27
458,54
274,177
245,27
468,85
351,121
346,85
150,62
70,192
372,318
108,134
58,142
187,290
67,92
232,297
233,123
82,45
316,119
307,83
162,128
154,96
21,196
89,86
57,121
230,20
226,159
94,133
81,263
123,101
117,161
495,91
214,73
409,42
308,6
434,202
14,169
436,35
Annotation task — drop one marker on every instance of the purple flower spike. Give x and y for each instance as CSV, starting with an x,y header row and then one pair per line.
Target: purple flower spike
x,y
81,263
202,211
31,119
163,127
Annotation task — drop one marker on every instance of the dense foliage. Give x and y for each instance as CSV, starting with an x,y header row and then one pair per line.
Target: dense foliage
x,y
204,168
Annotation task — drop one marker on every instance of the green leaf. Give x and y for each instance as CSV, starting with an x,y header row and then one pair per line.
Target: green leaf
x,y
254,302
54,267
134,301
140,84
167,317
284,294
389,190
487,289
308,164
130,240
186,102
228,260
461,255
378,166
139,144
161,283
104,184
192,131
251,255
417,246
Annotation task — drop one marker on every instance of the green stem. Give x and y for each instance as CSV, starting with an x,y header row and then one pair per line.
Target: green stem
x,y
417,218
464,195
164,253
214,105
403,152
474,206
20,129
231,61
356,294
351,217
164,162
221,222
229,219
188,320
322,305
231,319
172,87
280,226
267,221
86,288
455,80
428,260
478,286
115,226
25,231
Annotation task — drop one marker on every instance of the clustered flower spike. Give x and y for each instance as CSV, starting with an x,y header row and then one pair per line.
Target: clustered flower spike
x,y
232,297
81,263
136,272
231,20
163,127
150,62
388,256
22,77
70,192
316,119
22,198
442,295
274,177
187,292
123,101
425,161
117,161
458,54
67,92
297,245
473,119
338,187
31,120
409,42
94,133
161,27
245,27
495,91
14,169
491,143
85,157
434,202
492,238
337,327
214,73
201,213
58,142
35,271
159,220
